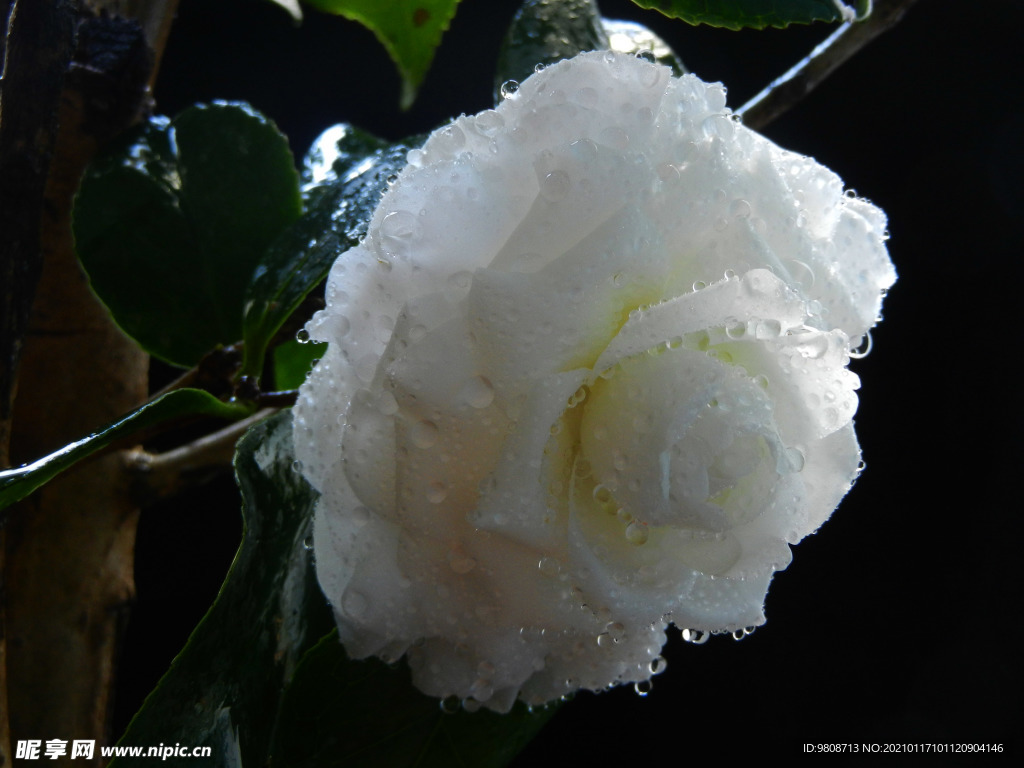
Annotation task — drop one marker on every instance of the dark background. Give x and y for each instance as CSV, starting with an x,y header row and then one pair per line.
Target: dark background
x,y
898,621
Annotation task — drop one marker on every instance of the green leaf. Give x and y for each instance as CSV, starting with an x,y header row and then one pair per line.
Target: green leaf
x,y
366,714
16,484
171,225
410,30
222,690
293,360
756,14
544,32
346,170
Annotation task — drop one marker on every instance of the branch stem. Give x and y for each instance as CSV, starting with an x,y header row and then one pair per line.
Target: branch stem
x,y
786,91
161,475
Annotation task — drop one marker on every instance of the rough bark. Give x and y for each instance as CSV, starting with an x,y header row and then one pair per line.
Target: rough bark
x,y
69,549
36,48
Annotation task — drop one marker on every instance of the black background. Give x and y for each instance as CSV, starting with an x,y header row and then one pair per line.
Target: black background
x,y
897,622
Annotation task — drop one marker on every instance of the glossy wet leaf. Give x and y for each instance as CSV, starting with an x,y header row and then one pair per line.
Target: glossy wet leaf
x,y
366,714
544,32
222,690
171,225
410,30
756,14
346,171
16,484
292,361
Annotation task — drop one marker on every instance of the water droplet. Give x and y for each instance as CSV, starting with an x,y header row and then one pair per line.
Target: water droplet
x,y
548,566
307,543
735,329
796,458
302,336
399,224
489,122
863,348
768,329
643,687
450,705
460,281
436,493
695,636
668,173
509,89
386,404
360,516
584,150
461,564
354,604
556,185
637,533
801,273
658,665
739,209
586,96
477,392
296,466
423,434
614,137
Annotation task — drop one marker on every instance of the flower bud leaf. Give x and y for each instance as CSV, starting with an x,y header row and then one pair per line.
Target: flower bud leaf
x,y
16,484
171,224
224,686
346,171
410,30
756,14
383,722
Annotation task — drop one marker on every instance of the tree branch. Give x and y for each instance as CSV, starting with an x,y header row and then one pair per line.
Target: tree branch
x,y
161,475
786,91
37,45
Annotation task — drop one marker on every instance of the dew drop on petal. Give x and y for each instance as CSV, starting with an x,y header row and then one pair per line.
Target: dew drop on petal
x,y
450,705
556,185
423,434
739,209
436,492
637,533
695,636
354,604
477,392
509,89
399,224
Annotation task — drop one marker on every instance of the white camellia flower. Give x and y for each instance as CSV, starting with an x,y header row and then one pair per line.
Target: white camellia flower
x,y
586,376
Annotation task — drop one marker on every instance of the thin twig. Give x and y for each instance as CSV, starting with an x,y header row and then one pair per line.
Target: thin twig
x,y
788,90
160,475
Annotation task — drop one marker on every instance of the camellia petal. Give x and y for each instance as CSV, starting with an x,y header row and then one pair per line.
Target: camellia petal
x,y
586,377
